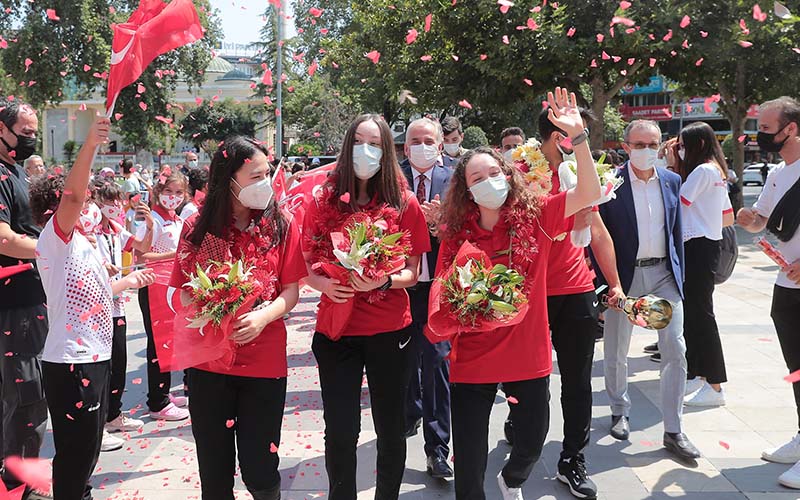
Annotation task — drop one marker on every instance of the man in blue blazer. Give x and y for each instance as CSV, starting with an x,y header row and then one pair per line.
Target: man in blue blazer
x,y
428,400
645,223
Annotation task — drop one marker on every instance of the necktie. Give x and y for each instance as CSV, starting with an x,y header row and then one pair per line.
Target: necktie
x,y
421,189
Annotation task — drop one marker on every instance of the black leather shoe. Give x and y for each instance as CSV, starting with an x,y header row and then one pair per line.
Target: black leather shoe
x,y
655,357
412,431
652,348
439,468
508,430
620,427
679,445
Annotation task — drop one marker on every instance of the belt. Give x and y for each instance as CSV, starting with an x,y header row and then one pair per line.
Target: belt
x,y
654,261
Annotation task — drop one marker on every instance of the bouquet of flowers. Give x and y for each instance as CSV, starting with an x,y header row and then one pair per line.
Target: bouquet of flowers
x,y
368,248
219,294
609,183
475,296
530,160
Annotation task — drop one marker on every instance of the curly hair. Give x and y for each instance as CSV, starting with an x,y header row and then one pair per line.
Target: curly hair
x,y
45,195
458,203
103,190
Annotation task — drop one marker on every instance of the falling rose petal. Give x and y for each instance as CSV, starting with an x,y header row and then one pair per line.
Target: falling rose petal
x,y
373,56
622,20
743,26
51,15
605,56
686,21
781,11
411,36
345,198
28,63
652,62
504,5
600,37
143,105
136,381
428,20
704,34
229,423
725,445
624,5
312,68
465,104
745,44
315,12
793,377
796,49
741,138
483,57
505,39
273,448
425,58
512,400
668,36
758,15
699,62
117,116
528,82
571,32
266,78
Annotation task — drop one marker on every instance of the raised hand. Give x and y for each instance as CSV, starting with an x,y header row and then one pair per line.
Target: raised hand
x,y
564,113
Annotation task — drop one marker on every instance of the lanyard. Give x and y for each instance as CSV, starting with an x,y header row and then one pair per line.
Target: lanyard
x,y
111,248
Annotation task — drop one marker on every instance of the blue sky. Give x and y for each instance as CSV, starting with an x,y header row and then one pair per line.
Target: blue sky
x,y
242,19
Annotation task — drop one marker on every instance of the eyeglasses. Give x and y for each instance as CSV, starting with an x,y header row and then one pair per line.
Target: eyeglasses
x,y
641,145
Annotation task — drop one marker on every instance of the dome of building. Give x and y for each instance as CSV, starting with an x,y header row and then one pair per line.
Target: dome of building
x,y
235,75
219,65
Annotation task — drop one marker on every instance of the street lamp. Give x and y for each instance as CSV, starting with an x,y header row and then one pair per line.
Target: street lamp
x,y
53,143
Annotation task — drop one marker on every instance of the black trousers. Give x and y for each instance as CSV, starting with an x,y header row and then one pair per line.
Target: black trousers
x,y
573,325
158,384
786,317
386,357
23,408
472,407
230,414
119,368
77,432
704,356
429,383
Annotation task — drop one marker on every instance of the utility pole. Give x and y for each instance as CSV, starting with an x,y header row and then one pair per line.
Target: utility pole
x,y
279,114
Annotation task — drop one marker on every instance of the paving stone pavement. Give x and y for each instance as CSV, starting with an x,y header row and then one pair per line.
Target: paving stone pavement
x,y
159,462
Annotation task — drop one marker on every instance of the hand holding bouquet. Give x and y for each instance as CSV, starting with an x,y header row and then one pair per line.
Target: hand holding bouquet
x,y
530,160
476,296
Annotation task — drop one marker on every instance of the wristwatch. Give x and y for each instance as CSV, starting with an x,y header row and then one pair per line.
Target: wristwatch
x,y
581,137
386,285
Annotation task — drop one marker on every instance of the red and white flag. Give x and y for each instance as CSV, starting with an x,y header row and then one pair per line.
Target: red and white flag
x,y
153,29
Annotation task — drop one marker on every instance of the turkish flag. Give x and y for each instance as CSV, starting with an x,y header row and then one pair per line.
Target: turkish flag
x,y
153,29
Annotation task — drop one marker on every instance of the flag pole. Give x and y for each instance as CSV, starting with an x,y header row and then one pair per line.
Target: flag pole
x,y
279,114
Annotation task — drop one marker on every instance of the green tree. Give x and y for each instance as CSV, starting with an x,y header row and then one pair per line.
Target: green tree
x,y
320,112
740,60
473,137
208,124
305,148
69,150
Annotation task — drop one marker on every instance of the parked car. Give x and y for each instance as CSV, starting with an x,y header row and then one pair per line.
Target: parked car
x,y
752,173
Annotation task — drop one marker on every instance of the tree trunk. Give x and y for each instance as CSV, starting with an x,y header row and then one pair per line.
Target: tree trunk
x,y
597,132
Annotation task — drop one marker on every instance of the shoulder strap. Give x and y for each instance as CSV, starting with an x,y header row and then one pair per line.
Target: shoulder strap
x,y
785,217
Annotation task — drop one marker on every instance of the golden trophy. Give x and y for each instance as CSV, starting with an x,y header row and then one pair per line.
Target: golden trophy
x,y
647,311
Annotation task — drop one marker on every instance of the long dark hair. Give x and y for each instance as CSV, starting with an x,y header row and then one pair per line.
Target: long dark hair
x,y
386,184
216,214
459,203
701,146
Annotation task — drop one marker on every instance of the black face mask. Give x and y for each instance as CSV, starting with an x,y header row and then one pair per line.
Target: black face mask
x,y
25,147
766,141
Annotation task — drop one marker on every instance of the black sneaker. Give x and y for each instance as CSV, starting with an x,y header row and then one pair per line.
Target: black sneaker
x,y
572,472
652,348
656,358
508,430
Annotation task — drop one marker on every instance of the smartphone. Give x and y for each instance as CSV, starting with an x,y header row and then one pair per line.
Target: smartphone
x,y
143,200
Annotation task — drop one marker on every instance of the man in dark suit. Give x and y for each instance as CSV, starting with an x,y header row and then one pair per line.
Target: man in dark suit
x,y
428,400
645,224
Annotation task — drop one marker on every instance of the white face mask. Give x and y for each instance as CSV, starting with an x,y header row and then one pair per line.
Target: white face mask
x,y
491,192
682,154
452,149
570,157
366,160
643,159
423,156
257,195
170,201
111,212
193,163
90,218
508,155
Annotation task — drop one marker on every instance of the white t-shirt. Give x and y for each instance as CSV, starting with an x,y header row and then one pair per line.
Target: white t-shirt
x,y
79,302
704,201
779,181
111,245
166,231
130,185
188,210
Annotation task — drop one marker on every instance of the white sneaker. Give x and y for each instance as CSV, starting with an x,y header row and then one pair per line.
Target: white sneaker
x,y
170,413
789,453
791,478
508,493
179,401
706,396
111,443
124,424
693,385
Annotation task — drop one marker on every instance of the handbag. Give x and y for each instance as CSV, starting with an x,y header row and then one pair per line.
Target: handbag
x,y
727,257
